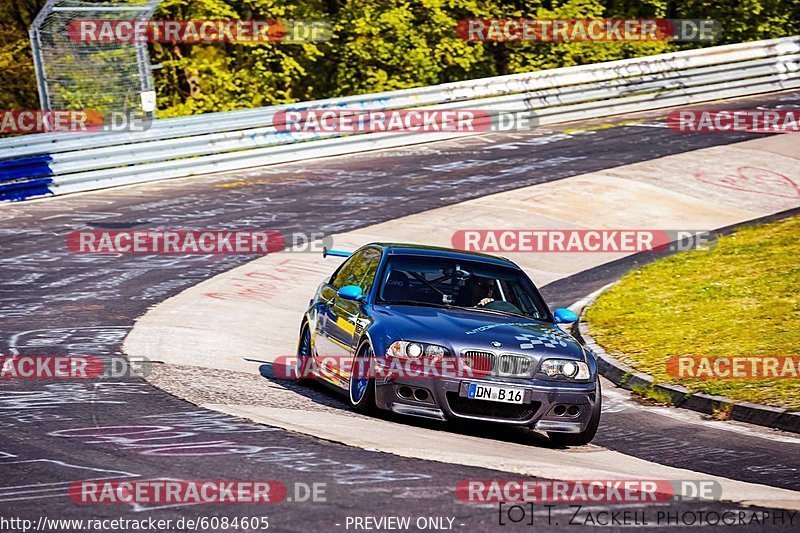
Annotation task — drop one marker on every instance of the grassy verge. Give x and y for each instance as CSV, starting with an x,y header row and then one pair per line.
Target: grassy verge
x,y
742,298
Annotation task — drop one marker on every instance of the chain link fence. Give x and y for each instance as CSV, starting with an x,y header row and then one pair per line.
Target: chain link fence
x,y
103,76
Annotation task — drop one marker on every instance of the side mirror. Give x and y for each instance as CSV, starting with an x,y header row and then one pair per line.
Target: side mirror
x,y
351,292
564,315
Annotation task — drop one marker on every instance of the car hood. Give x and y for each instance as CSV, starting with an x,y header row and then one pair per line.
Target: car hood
x,y
463,329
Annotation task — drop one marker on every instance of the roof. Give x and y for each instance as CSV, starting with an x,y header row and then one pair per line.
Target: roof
x,y
438,251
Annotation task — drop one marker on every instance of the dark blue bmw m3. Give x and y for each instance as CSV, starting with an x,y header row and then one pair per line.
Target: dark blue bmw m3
x,y
445,334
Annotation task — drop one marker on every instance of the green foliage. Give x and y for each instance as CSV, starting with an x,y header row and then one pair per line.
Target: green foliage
x,y
17,76
218,77
381,46
744,20
524,57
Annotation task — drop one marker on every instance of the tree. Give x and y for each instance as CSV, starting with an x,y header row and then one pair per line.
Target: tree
x,y
382,46
197,78
17,75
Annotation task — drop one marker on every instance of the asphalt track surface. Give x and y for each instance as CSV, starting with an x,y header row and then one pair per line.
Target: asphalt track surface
x,y
53,302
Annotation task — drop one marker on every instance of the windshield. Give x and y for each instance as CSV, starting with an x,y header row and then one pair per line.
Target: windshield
x,y
453,282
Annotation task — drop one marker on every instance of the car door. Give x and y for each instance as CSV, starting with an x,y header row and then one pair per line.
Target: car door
x,y
344,317
325,349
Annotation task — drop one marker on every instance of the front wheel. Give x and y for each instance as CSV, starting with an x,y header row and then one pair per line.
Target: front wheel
x,y
585,436
303,364
362,385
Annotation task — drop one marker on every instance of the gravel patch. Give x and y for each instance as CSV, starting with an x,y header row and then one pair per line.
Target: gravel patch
x,y
211,386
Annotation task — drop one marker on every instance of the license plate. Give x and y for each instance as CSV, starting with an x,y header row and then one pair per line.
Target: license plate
x,y
494,393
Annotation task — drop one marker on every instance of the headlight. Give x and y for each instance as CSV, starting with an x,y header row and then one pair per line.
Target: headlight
x,y
565,367
569,369
413,350
434,350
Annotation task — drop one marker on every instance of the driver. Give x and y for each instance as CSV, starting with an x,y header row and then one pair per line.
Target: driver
x,y
480,291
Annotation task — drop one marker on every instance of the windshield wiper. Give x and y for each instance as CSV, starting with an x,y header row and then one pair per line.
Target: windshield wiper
x,y
495,311
416,302
451,306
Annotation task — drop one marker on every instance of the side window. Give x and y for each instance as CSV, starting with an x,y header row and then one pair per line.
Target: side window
x,y
360,270
344,275
372,258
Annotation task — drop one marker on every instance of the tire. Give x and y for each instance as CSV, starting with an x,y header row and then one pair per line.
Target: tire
x,y
585,436
362,388
303,364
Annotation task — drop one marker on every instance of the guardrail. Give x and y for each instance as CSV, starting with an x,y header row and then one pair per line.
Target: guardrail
x,y
39,165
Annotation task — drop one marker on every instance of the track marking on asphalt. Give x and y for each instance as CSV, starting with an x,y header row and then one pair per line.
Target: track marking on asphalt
x,y
423,443
698,419
53,469
623,397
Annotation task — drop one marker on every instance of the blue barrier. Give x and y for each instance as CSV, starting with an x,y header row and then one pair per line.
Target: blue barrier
x,y
26,167
22,190
26,177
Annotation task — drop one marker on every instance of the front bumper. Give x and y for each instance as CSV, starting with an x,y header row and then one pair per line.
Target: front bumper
x,y
446,400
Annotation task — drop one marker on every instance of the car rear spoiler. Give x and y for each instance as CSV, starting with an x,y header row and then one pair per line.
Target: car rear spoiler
x,y
335,253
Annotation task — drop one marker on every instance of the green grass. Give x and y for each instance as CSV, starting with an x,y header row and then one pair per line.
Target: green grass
x,y
652,394
741,298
